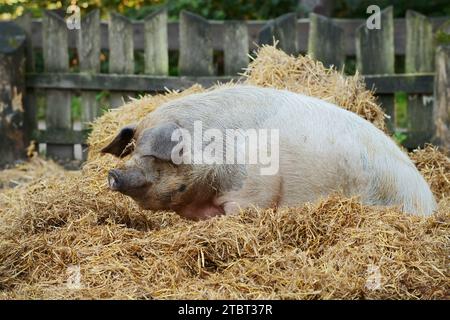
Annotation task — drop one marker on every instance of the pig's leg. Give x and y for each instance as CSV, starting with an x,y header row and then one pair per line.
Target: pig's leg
x,y
258,191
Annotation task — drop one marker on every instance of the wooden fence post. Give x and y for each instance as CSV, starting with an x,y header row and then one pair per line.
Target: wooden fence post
x,y
235,47
419,58
326,41
283,29
156,44
12,90
56,59
375,55
442,96
30,116
196,50
88,45
121,52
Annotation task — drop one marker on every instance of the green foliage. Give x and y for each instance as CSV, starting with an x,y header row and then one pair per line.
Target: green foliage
x,y
400,137
401,106
102,99
223,10
173,62
357,8
138,9
443,34
234,9
76,107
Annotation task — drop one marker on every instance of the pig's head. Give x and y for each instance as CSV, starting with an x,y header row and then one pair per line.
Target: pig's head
x,y
152,179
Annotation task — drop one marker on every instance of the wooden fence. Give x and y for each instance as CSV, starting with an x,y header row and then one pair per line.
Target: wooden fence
x,y
199,42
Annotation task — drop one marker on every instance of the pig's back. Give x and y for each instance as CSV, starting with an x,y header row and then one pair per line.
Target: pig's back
x,y
246,107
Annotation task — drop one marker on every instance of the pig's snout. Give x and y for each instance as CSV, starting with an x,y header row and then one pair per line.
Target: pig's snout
x,y
131,181
115,180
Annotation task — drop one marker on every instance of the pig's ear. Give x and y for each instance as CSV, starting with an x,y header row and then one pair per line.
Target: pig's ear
x,y
157,141
120,144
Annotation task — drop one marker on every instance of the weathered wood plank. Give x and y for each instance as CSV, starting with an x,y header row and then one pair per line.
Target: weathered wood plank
x,y
254,27
235,47
58,102
375,55
61,136
117,82
121,53
420,120
326,41
25,22
12,89
88,43
196,51
419,57
89,56
156,44
30,115
266,34
410,83
441,109
419,54
284,30
375,48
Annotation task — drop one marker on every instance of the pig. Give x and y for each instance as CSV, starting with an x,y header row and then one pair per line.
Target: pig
x,y
321,149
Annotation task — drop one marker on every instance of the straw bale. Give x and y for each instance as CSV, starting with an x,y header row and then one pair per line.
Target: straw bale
x,y
434,165
29,171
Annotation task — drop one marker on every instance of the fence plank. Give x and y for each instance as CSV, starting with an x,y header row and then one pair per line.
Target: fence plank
x,y
118,82
235,47
121,52
56,59
254,27
12,89
375,55
156,43
88,46
61,136
326,41
283,29
409,83
25,22
30,115
419,54
89,56
419,57
196,51
441,110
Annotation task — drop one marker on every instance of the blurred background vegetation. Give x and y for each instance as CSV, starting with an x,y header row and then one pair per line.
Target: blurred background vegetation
x,y
227,9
